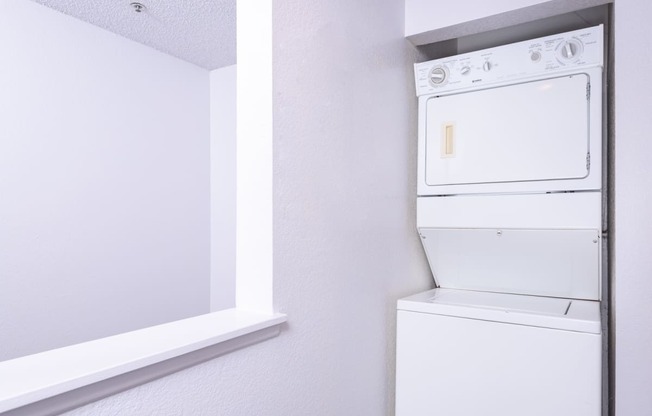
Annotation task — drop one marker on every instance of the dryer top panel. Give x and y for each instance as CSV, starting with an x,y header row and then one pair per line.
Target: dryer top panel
x,y
565,52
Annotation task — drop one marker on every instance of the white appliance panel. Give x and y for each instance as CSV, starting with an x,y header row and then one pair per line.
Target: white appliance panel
x,y
511,63
467,367
531,131
557,263
569,210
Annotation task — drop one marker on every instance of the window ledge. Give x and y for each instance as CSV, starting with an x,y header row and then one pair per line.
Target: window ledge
x,y
69,377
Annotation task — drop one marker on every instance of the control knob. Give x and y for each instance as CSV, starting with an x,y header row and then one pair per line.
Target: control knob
x,y
487,66
569,50
438,75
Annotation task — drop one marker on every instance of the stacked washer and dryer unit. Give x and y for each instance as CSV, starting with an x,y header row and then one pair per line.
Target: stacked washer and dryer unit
x,y
510,213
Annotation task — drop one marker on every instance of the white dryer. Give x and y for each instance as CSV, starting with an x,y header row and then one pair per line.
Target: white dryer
x,y
509,211
525,117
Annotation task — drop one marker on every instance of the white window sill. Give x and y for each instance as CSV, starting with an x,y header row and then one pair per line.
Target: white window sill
x,y
65,378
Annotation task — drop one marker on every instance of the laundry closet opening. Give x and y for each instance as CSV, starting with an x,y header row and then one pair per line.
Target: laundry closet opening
x,y
512,190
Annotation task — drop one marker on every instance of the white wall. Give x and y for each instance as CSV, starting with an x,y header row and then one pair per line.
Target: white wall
x,y
345,243
633,263
223,186
104,183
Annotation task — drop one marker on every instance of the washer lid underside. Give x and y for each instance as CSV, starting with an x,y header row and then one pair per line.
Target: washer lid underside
x,y
542,262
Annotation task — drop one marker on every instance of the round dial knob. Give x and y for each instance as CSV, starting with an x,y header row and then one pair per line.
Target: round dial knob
x,y
438,75
487,66
535,56
569,50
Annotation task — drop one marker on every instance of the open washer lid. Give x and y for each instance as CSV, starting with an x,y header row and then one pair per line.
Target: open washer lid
x,y
538,311
541,262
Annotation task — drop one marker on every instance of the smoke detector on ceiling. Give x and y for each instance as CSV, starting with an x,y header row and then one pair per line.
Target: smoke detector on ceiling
x,y
138,7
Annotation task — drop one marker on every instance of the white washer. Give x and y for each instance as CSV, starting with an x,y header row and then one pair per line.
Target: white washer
x,y
509,211
464,353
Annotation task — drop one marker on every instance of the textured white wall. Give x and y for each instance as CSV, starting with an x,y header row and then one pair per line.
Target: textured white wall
x,y
104,168
345,244
223,187
633,263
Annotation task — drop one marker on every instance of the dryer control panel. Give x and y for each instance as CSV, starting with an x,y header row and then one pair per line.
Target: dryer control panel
x,y
571,50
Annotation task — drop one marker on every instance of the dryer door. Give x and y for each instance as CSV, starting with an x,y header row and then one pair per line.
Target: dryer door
x,y
533,131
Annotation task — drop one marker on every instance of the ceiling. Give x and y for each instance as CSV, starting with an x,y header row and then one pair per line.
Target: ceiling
x,y
202,32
